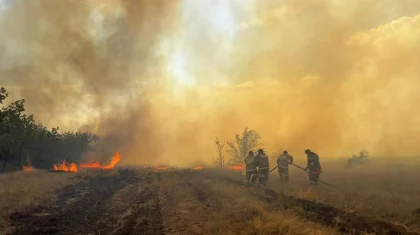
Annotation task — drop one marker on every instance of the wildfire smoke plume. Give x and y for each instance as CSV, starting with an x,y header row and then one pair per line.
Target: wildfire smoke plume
x,y
320,74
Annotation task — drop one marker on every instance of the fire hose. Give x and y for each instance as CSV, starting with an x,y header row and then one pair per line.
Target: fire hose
x,y
309,175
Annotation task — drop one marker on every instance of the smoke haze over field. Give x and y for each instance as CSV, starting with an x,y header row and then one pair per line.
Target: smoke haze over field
x,y
160,80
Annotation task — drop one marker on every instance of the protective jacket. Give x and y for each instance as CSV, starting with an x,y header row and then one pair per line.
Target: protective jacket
x,y
284,160
314,166
250,163
262,161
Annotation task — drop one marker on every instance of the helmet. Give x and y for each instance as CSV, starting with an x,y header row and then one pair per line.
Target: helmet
x,y
284,152
260,151
307,151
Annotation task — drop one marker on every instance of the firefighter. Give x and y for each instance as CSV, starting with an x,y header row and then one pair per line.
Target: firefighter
x,y
263,167
313,167
283,162
251,169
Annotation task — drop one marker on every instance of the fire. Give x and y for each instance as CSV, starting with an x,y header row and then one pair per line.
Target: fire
x,y
198,168
91,165
115,159
161,168
64,167
237,167
27,168
96,165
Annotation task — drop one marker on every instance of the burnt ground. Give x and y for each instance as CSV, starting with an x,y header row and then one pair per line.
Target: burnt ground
x,y
181,202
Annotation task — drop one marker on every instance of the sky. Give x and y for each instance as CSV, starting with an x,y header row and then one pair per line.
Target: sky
x,y
161,80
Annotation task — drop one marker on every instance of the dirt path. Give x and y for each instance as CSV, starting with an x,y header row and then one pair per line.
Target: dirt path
x,y
184,202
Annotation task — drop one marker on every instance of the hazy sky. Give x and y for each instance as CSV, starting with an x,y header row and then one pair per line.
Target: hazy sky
x,y
160,80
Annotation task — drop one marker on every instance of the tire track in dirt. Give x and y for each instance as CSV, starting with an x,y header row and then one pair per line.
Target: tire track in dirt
x,y
347,223
144,215
129,205
194,203
187,206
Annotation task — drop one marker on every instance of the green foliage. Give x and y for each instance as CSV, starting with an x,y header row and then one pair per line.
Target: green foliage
x,y
3,95
22,140
361,158
249,140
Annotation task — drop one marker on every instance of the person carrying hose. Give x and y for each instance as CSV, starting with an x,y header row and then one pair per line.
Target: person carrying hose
x,y
263,167
313,167
251,168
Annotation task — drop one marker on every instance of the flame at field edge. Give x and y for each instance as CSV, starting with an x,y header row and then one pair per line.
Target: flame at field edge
x,y
67,168
27,168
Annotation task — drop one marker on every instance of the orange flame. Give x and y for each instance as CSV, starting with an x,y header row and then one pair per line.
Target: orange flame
x,y
237,167
115,159
161,168
27,168
64,167
198,168
91,165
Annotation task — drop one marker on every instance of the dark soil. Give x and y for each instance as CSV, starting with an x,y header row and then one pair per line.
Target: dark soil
x,y
133,202
66,214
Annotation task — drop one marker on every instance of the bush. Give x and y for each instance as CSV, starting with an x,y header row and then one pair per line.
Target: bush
x,y
357,159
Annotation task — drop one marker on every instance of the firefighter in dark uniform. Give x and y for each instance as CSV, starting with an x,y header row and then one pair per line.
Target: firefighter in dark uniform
x,y
263,167
251,168
313,167
283,162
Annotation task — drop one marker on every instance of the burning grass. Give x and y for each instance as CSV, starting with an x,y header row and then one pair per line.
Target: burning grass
x,y
96,165
64,167
237,167
27,168
162,168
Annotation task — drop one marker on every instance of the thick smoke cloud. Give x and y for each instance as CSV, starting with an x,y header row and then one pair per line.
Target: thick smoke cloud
x,y
91,60
333,76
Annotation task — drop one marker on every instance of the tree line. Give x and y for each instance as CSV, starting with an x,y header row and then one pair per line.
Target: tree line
x,y
23,141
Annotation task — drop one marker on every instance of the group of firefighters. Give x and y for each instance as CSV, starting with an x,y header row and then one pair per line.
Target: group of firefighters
x,y
257,167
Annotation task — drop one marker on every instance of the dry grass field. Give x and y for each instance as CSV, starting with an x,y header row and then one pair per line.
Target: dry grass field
x,y
386,189
21,190
378,198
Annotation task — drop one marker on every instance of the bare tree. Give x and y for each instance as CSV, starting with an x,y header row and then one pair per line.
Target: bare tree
x,y
220,160
245,142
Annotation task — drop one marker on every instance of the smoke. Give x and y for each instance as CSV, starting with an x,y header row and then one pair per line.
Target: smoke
x,y
160,80
88,64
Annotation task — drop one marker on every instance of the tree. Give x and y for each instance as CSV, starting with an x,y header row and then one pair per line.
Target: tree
x,y
3,95
245,142
220,160
13,126
21,137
